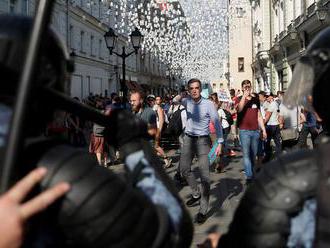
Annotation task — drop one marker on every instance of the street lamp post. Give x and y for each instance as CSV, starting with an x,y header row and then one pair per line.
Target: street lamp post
x,y
111,40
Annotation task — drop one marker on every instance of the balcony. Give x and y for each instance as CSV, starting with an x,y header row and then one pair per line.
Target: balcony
x,y
324,2
282,34
311,9
298,20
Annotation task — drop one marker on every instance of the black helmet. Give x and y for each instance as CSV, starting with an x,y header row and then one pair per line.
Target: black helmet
x,y
54,62
53,69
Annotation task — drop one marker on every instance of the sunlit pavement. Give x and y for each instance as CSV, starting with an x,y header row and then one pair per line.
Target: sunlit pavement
x,y
226,191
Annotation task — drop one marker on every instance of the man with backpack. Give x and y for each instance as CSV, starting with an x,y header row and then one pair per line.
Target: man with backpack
x,y
177,118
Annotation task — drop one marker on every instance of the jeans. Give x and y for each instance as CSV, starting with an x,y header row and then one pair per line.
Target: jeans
x,y
249,141
178,170
201,147
273,132
261,148
302,140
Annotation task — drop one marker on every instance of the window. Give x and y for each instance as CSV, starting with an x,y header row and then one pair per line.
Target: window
x,y
82,38
88,85
241,64
71,35
280,80
12,6
100,49
25,7
92,46
240,12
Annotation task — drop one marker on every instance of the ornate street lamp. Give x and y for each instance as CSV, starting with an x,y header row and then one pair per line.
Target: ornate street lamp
x,y
136,38
111,41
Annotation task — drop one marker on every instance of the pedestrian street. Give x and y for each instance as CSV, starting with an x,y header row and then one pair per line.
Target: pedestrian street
x,y
227,188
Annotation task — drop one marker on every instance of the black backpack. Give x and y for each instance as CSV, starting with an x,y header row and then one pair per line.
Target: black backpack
x,y
229,117
174,127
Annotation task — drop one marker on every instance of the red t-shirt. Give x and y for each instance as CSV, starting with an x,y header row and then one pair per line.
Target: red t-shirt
x,y
247,119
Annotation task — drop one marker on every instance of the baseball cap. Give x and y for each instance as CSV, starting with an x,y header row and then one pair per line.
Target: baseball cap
x,y
151,96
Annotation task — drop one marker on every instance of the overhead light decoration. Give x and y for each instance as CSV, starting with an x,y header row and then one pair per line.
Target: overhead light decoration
x,y
189,36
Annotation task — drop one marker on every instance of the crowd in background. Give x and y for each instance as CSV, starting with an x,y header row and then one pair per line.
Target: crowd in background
x,y
285,128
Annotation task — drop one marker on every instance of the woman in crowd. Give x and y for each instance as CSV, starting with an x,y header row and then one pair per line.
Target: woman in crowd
x,y
155,104
98,144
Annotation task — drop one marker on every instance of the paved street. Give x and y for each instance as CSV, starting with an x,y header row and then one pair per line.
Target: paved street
x,y
226,190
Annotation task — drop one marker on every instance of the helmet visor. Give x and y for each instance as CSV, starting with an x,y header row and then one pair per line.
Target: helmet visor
x,y
302,83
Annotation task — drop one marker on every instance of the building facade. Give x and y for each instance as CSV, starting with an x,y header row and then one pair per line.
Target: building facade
x,y
82,25
282,29
240,43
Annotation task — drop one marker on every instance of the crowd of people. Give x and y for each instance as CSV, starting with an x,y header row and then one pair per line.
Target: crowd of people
x,y
257,124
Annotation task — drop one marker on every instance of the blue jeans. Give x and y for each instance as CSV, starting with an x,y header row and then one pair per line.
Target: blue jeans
x,y
249,141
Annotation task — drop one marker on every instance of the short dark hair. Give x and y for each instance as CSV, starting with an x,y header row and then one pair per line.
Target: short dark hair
x,y
141,93
214,94
232,92
195,80
113,95
246,81
263,93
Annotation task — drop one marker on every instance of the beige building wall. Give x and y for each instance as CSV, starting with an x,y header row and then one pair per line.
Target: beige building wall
x,y
282,30
240,44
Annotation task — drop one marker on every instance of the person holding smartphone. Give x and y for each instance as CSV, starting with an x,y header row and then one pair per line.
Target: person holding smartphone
x,y
249,122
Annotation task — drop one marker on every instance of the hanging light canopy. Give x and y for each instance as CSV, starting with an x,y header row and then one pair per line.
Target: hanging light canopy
x,y
189,36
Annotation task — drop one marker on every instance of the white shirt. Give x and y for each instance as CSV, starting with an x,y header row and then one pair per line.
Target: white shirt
x,y
291,116
222,115
263,108
274,109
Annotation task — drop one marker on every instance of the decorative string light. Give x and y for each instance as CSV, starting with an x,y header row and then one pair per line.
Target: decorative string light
x,y
189,36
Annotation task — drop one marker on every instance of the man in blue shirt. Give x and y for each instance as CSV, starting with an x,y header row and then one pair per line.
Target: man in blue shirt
x,y
200,112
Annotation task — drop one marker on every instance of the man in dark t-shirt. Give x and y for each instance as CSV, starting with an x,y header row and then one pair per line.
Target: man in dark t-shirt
x,y
144,113
249,122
